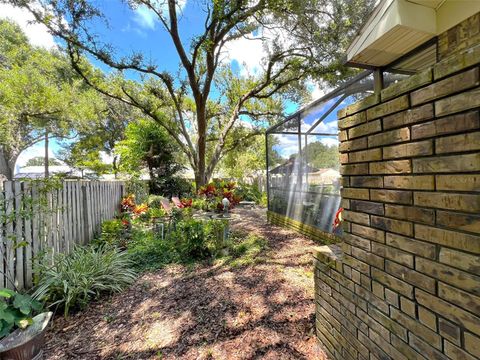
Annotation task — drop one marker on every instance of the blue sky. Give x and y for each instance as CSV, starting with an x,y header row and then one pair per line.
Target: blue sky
x,y
138,30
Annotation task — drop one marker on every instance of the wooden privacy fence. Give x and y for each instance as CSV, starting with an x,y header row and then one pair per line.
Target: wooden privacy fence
x,y
38,221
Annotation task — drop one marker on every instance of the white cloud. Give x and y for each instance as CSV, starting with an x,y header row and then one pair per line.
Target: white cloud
x,y
247,52
329,141
148,19
36,33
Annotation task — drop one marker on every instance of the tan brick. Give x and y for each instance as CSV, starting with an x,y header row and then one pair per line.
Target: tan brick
x,y
392,282
378,290
354,193
345,203
391,167
343,158
408,117
453,84
356,217
446,164
466,222
408,306
410,213
472,344
371,299
456,63
448,201
427,318
369,233
365,129
449,275
392,253
425,348
389,137
459,297
386,346
389,107
449,311
368,257
342,135
350,145
410,276
392,196
448,238
447,125
417,328
408,84
464,35
358,106
405,349
355,169
457,103
455,353
421,148
366,155
418,182
357,241
449,331
345,181
460,259
396,226
419,248
391,297
470,182
458,143
367,207
367,181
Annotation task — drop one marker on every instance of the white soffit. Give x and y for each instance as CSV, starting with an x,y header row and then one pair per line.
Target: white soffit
x,y
395,28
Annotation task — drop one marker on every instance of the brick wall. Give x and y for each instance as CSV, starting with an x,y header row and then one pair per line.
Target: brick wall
x,y
405,283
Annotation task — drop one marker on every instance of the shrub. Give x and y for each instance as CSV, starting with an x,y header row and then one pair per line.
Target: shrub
x,y
83,275
112,231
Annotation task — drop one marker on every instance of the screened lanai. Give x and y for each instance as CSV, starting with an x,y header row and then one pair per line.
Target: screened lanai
x,y
303,165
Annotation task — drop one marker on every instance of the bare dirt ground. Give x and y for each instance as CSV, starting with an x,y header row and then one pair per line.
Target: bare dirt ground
x,y
263,311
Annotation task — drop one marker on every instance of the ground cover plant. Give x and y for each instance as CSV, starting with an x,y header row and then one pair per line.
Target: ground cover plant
x,y
81,276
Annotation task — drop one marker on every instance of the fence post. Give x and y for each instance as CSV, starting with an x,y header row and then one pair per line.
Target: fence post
x,y
86,225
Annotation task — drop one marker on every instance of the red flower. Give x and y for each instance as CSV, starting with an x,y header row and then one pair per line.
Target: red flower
x,y
125,222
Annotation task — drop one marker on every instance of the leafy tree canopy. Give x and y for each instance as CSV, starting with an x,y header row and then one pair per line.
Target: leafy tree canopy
x,y
40,161
39,92
303,41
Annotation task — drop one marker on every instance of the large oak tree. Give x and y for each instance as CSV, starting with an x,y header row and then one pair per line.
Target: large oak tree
x,y
302,39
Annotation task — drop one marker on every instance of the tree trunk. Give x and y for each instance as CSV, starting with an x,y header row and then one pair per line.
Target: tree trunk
x,y
200,178
46,155
7,165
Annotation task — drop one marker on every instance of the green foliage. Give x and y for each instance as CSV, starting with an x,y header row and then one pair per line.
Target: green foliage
x,y
113,233
243,249
249,192
39,92
321,156
146,145
16,311
82,276
139,188
188,240
40,161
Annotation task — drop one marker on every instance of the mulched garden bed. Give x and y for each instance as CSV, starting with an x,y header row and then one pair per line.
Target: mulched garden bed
x,y
263,311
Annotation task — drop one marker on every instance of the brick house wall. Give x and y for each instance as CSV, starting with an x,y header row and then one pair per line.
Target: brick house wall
x,y
405,282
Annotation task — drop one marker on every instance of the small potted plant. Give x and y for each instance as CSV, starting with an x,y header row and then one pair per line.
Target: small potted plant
x,y
22,326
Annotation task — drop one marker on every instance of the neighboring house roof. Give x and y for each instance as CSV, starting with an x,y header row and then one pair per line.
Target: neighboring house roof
x,y
37,172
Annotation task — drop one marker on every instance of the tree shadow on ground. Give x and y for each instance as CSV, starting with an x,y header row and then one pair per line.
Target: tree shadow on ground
x,y
210,312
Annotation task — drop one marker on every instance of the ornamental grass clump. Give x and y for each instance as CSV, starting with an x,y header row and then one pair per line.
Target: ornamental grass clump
x,y
82,276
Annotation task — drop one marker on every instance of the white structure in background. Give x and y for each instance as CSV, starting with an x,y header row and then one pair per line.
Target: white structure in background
x,y
38,172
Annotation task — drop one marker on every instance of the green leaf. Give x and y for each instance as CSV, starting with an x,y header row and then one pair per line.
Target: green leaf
x,y
23,303
6,293
24,323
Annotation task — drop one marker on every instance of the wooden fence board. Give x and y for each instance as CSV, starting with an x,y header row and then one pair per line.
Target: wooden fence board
x,y
70,215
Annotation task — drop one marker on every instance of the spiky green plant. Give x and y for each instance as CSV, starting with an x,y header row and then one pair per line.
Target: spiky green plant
x,y
85,274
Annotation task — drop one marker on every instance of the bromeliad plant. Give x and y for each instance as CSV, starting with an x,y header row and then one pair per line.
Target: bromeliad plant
x,y
16,311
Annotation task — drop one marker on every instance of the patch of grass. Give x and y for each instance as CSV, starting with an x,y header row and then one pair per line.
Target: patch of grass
x,y
243,249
